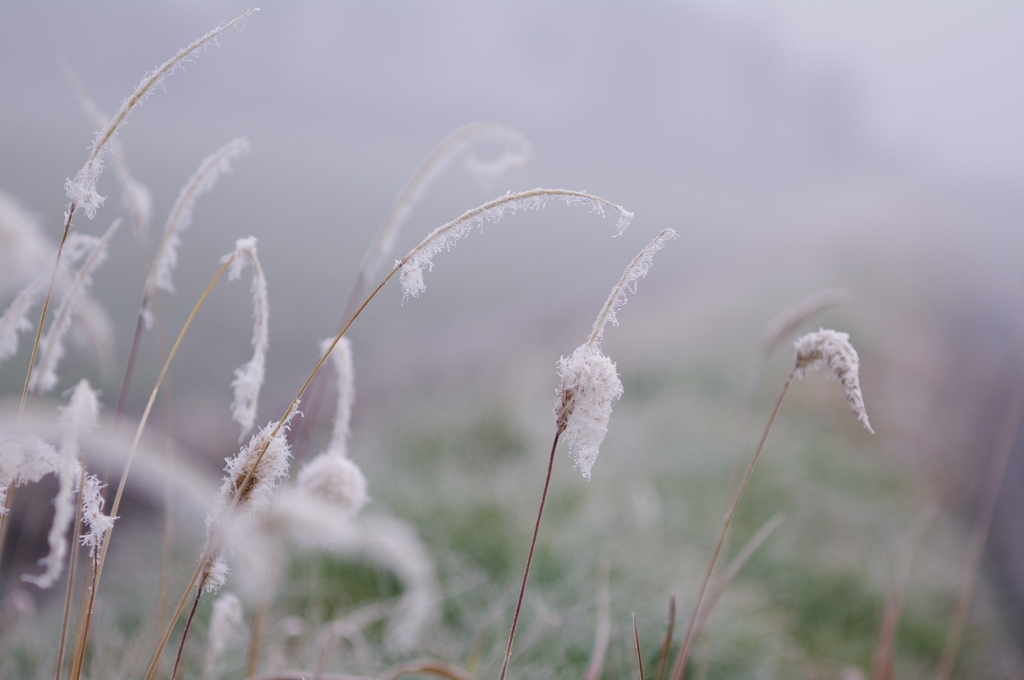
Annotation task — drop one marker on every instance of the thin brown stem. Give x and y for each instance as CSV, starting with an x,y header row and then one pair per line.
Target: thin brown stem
x,y
639,654
529,557
83,636
684,653
667,644
122,396
723,581
138,435
46,305
979,532
884,657
184,633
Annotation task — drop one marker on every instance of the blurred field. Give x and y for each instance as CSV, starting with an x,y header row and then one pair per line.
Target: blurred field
x,y
710,120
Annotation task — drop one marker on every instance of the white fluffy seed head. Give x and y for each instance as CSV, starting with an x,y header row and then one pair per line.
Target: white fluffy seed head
x,y
832,352
44,377
77,418
336,479
256,494
636,270
82,189
215,574
583,405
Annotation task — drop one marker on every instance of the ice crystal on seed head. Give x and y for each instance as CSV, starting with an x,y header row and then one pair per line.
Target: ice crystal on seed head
x,y
832,352
583,405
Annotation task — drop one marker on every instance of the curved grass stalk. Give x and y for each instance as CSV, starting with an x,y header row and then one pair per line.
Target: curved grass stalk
x,y
684,653
413,191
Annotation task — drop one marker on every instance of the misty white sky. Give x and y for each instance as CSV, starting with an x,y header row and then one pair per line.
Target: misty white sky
x,y
944,80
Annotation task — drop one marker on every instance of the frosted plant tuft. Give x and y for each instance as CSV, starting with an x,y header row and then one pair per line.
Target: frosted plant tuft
x,y
590,385
446,236
832,352
268,473
249,377
331,476
457,143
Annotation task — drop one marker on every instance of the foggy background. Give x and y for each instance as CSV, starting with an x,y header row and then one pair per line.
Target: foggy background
x,y
794,146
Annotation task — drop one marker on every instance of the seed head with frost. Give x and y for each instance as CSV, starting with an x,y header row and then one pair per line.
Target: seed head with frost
x,y
82,189
268,470
590,386
24,460
832,352
180,217
446,236
583,406
249,377
331,476
77,418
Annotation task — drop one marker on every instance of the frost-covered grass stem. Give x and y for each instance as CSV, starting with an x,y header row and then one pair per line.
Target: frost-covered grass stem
x,y
529,558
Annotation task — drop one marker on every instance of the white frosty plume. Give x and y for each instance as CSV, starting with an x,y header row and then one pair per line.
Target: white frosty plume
x,y
249,377
590,385
832,352
77,418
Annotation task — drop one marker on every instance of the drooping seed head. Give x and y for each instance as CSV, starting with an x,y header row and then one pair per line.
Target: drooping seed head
x,y
832,352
